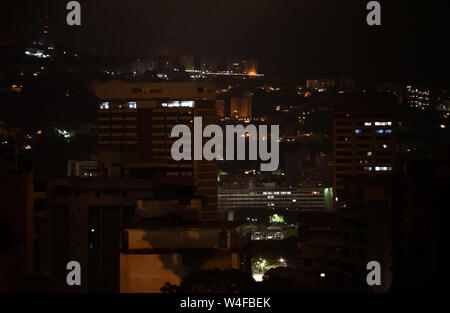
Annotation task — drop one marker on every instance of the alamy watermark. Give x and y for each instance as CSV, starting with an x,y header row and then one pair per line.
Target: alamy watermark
x,y
74,16
213,149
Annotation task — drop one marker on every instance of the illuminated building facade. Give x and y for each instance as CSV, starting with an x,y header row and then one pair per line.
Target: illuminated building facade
x,y
134,126
363,145
418,98
315,199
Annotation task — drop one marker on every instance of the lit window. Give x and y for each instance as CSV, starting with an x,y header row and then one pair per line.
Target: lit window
x,y
388,131
104,105
369,153
368,124
132,105
177,104
380,131
357,131
383,168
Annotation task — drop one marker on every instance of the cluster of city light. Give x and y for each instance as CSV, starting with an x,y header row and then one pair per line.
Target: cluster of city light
x,y
276,219
226,73
417,98
38,54
64,133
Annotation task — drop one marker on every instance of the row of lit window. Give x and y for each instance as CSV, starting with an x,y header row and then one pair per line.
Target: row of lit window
x,y
178,104
129,105
378,168
378,123
379,131
276,193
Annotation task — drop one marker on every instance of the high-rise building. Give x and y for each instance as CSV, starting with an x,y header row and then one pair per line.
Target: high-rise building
x,y
188,62
242,66
363,140
209,64
241,106
16,230
220,107
418,97
134,125
420,225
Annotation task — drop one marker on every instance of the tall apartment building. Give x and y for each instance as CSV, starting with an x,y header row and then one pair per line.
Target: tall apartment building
x,y
87,217
135,120
363,141
418,98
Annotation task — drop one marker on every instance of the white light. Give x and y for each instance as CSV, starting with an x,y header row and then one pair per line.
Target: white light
x,y
177,104
104,105
258,277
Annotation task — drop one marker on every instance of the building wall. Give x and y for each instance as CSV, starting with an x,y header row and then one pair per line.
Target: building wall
x,y
241,107
135,121
147,273
17,231
153,256
363,142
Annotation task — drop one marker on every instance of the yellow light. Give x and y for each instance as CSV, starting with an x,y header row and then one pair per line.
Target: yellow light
x,y
39,132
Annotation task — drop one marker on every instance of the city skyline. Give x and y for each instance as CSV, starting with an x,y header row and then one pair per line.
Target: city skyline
x,y
333,37
224,147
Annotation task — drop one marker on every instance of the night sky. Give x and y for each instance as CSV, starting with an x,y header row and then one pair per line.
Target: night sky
x,y
297,38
